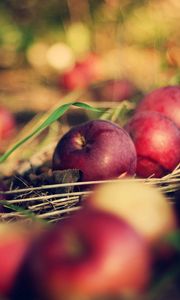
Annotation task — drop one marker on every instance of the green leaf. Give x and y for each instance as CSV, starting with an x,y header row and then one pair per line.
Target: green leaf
x,y
174,239
18,209
54,116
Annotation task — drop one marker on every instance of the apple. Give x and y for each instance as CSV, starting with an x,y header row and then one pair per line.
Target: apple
x,y
157,142
82,74
143,206
14,244
99,149
92,253
115,90
91,66
165,100
7,124
74,79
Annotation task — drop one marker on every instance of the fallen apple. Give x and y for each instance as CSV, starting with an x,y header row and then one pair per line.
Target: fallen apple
x,y
14,244
7,124
141,205
165,100
91,66
99,149
90,254
82,74
73,79
115,90
157,142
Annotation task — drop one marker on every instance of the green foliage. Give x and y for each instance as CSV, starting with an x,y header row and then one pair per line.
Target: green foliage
x,y
54,116
174,240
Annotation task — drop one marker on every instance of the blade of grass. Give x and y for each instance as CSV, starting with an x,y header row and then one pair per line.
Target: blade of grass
x,y
54,116
25,212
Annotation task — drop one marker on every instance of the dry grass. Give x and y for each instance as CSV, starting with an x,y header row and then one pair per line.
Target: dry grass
x,y
53,206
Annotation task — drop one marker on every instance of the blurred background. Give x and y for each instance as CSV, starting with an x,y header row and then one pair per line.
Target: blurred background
x,y
50,48
41,40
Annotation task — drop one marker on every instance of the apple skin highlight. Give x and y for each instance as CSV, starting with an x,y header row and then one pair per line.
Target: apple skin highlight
x,y
165,100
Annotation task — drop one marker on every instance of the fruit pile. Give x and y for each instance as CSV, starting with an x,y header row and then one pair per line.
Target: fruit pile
x,y
149,145
113,245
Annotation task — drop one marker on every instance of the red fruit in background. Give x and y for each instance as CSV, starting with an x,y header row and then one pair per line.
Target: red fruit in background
x,y
165,100
7,124
90,65
74,79
93,253
82,74
115,90
14,243
157,142
100,149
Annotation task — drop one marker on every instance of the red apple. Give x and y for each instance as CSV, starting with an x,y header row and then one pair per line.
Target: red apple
x,y
165,100
115,90
141,205
14,243
90,254
91,66
82,74
7,124
74,79
100,149
157,141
